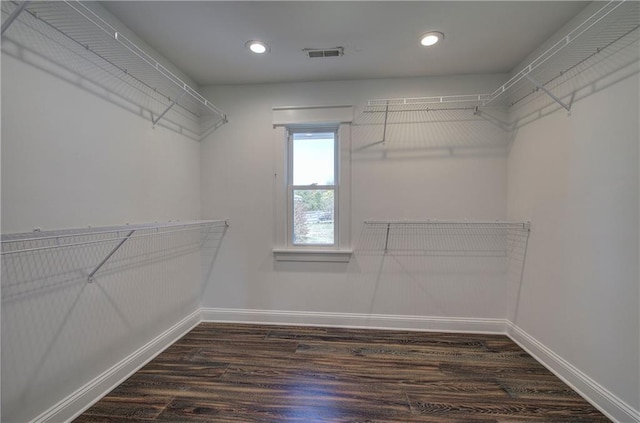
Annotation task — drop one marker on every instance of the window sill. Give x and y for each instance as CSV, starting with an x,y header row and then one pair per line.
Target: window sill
x,y
335,256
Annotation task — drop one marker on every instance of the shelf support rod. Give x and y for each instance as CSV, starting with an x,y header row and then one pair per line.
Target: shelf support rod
x,y
386,115
386,240
549,93
7,23
90,277
173,103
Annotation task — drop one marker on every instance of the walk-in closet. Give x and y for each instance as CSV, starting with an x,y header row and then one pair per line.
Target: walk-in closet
x,y
312,211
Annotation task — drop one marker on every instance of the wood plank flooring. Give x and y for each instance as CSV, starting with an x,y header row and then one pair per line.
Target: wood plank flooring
x,y
252,373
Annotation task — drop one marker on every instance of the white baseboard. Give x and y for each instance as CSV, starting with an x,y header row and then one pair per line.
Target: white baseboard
x,y
355,320
601,398
83,398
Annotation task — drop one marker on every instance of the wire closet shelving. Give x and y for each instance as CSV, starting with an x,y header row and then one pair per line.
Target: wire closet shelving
x,y
76,38
442,237
110,238
613,21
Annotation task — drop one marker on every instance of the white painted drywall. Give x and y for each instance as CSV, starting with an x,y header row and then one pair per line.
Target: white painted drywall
x,y
576,178
71,158
446,165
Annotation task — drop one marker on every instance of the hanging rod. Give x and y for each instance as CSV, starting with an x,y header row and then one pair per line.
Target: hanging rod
x,y
483,100
181,227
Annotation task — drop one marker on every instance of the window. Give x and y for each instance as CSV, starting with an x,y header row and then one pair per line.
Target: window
x,y
312,187
312,183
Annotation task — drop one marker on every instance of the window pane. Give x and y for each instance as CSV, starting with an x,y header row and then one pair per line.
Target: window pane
x,y
313,217
313,158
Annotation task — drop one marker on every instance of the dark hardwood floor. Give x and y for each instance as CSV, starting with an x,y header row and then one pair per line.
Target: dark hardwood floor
x,y
251,373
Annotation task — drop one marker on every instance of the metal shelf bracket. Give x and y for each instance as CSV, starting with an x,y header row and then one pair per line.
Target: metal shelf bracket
x,y
169,77
173,103
476,102
90,278
386,116
386,239
539,86
7,23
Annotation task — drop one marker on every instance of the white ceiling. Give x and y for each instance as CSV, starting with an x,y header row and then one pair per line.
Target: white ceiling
x,y
380,38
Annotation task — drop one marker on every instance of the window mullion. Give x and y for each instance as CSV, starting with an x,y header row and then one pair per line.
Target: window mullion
x,y
313,187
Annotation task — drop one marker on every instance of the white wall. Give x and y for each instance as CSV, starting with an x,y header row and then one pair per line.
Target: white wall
x,y
576,179
72,158
446,165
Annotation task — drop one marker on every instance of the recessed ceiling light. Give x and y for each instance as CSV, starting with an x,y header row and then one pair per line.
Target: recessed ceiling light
x,y
257,46
430,38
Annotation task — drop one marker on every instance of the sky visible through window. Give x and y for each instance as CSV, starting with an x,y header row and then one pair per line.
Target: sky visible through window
x,y
313,158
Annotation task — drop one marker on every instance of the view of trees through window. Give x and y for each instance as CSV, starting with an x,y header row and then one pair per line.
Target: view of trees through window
x,y
313,217
313,188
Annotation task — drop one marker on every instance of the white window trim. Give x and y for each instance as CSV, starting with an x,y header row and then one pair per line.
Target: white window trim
x,y
284,249
334,256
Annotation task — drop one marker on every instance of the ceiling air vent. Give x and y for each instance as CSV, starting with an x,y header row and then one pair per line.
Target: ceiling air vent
x,y
324,52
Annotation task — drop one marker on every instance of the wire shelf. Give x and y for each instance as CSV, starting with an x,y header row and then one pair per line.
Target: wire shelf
x,y
75,38
45,240
611,23
437,260
452,224
442,237
96,246
39,262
